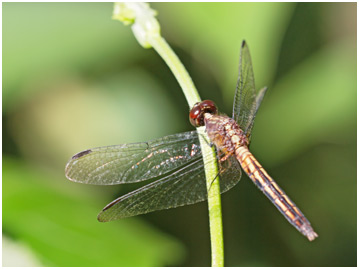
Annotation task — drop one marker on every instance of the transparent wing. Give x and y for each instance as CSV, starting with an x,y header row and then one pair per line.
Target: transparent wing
x,y
183,187
246,99
259,99
128,163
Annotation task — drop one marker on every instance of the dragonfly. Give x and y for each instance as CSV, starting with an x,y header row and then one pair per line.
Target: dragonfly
x,y
174,165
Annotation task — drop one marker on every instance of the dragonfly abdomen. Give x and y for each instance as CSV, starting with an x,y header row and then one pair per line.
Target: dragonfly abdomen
x,y
274,193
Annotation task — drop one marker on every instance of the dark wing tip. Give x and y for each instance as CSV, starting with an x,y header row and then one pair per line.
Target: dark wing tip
x,y
71,162
243,43
101,217
82,153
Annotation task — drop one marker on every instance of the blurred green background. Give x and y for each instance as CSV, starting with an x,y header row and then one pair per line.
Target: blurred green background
x,y
74,79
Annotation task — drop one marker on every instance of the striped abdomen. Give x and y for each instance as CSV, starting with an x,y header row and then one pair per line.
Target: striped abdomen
x,y
274,193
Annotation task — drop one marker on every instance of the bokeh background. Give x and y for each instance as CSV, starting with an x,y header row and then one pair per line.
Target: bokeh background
x,y
74,79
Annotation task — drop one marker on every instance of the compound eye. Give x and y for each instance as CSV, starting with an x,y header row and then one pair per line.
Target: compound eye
x,y
196,115
209,106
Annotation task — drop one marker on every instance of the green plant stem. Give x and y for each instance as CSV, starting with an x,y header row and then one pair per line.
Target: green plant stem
x,y
214,202
147,32
211,168
177,68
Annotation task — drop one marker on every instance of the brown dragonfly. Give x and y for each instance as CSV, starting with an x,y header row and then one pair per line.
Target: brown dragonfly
x,y
174,164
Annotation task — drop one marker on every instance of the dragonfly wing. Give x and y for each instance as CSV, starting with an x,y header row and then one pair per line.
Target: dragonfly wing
x,y
183,187
128,163
259,99
246,99
230,173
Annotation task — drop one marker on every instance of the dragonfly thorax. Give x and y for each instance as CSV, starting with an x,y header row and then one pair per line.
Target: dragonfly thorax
x,y
225,133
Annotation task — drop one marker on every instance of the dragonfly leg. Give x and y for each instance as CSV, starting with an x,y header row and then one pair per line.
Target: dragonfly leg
x,y
226,156
221,167
210,186
209,143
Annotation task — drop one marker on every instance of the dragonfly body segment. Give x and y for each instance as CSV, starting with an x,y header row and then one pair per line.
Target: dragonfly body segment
x,y
274,193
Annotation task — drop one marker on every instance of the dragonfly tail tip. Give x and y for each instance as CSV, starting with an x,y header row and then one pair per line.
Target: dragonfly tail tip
x,y
311,236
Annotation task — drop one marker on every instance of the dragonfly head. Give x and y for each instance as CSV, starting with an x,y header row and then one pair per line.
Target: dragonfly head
x,y
196,115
